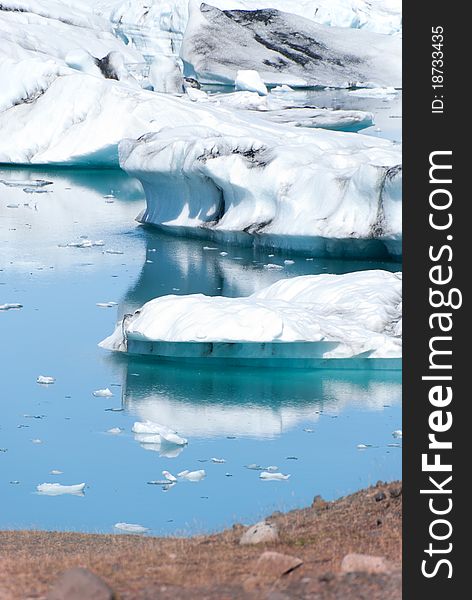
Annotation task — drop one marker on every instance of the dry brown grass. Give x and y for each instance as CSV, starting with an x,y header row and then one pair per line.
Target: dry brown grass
x,y
217,566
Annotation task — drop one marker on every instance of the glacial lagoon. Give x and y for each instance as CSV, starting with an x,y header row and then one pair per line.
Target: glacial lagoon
x,y
309,424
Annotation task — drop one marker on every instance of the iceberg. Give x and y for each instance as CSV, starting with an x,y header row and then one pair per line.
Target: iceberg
x,y
285,49
305,192
157,28
308,321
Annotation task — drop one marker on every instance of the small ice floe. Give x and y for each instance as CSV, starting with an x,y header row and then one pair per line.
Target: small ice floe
x,y
254,467
374,92
363,446
397,433
27,182
56,489
268,476
218,461
273,267
289,262
271,469
107,304
394,445
10,306
55,472
37,441
85,243
113,252
35,190
169,476
115,430
131,528
106,393
281,89
45,379
209,248
166,434
193,476
308,430
13,206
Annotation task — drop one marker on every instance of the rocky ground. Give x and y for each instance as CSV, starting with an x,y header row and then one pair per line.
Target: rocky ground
x,y
349,549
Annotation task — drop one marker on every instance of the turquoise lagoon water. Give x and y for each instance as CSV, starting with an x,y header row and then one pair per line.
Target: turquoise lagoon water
x,y
307,423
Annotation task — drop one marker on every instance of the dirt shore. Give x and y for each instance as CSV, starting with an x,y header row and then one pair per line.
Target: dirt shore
x,y
217,567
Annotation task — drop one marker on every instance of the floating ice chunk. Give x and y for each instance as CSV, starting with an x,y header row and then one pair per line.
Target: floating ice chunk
x,y
45,379
363,446
267,476
37,441
273,267
85,243
107,304
169,476
218,460
254,467
115,430
344,316
35,190
165,433
193,476
272,469
289,262
281,88
30,183
397,433
55,472
250,81
56,489
383,92
131,528
105,393
10,306
113,251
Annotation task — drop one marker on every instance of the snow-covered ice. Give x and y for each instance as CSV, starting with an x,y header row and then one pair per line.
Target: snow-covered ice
x,y
250,81
155,433
268,181
269,476
285,49
45,379
56,489
103,393
356,315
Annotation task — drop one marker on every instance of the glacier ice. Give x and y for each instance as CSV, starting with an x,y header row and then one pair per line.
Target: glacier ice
x,y
250,81
355,315
285,49
156,28
271,183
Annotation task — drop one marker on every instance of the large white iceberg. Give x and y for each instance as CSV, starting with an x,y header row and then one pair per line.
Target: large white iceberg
x,y
314,318
314,187
285,49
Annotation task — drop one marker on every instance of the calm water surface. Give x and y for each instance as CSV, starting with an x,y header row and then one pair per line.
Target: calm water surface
x,y
307,424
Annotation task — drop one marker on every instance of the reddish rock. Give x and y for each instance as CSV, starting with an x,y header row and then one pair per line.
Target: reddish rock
x,y
275,564
80,584
364,563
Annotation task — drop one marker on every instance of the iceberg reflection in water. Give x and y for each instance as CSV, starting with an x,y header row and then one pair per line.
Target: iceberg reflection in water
x,y
250,402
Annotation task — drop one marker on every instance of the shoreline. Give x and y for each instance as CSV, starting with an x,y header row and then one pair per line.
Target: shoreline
x,y
217,566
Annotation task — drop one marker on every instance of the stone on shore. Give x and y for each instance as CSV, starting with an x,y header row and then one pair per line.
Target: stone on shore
x,y
78,584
